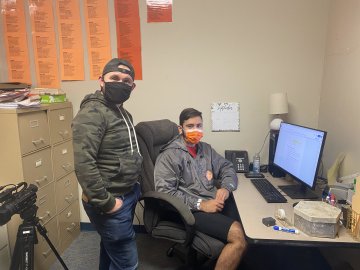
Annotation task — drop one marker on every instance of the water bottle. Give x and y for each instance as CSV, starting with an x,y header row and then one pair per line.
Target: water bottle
x,y
256,163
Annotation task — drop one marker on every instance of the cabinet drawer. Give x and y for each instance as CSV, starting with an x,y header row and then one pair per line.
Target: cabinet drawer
x,y
43,255
46,203
69,225
66,191
3,237
63,159
4,258
60,125
37,168
33,131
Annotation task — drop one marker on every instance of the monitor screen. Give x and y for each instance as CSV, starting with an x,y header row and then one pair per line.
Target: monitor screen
x,y
298,152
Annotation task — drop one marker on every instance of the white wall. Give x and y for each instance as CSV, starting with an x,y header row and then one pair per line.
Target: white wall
x,y
230,50
340,97
237,51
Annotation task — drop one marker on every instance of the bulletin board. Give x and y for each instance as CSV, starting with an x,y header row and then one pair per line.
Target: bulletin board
x,y
225,116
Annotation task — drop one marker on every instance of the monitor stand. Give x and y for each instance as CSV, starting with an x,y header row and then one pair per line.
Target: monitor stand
x,y
299,192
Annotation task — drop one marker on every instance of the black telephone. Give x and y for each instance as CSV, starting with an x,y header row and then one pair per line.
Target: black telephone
x,y
240,159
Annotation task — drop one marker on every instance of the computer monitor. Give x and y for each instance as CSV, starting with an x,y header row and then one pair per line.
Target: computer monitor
x,y
298,152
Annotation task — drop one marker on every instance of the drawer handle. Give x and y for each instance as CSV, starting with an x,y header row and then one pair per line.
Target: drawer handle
x,y
67,183
64,134
47,214
39,181
39,141
67,167
69,198
69,214
47,253
71,228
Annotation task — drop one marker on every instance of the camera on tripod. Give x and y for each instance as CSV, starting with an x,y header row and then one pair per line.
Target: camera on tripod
x,y
20,199
16,199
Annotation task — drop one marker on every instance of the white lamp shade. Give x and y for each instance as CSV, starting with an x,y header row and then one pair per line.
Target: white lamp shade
x,y
278,103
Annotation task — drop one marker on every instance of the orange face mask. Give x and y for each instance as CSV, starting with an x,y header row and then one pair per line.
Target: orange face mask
x,y
193,136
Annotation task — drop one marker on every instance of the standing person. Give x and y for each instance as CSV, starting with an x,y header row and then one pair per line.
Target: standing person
x,y
108,164
195,173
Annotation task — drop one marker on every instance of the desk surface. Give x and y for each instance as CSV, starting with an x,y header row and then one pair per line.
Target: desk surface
x,y
253,208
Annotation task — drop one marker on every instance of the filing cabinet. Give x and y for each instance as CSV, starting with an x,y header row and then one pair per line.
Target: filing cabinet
x,y
36,147
4,249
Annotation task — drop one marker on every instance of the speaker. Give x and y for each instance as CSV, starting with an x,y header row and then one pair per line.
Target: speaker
x,y
274,170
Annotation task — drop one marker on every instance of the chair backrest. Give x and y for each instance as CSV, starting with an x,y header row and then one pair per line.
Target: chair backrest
x,y
152,135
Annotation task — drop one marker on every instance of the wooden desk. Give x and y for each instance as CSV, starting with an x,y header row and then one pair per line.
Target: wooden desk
x,y
253,208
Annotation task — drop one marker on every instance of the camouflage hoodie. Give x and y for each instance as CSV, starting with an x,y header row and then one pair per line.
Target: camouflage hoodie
x,y
106,152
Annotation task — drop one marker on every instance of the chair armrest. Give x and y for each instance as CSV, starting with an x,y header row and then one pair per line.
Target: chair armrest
x,y
175,202
179,207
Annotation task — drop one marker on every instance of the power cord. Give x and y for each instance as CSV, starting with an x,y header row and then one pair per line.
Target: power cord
x,y
267,135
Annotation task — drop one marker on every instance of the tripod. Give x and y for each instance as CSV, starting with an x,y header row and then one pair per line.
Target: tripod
x,y
26,239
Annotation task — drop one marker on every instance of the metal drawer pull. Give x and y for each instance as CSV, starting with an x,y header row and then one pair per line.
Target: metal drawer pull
x,y
47,214
71,228
47,253
69,214
67,183
69,198
67,167
39,181
39,141
38,163
64,133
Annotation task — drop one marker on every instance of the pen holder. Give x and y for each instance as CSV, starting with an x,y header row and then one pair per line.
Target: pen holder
x,y
353,223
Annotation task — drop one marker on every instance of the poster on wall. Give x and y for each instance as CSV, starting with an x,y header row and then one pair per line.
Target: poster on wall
x,y
44,43
17,52
159,11
128,33
98,35
70,40
225,116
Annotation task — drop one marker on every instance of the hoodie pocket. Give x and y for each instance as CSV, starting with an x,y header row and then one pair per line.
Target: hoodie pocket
x,y
129,167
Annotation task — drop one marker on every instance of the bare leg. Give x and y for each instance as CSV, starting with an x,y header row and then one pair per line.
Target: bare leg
x,y
233,251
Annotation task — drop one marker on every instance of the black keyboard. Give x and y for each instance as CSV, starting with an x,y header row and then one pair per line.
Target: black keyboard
x,y
268,191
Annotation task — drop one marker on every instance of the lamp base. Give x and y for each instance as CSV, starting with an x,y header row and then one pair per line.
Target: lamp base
x,y
275,124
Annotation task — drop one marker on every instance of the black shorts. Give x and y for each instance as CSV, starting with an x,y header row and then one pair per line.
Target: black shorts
x,y
217,225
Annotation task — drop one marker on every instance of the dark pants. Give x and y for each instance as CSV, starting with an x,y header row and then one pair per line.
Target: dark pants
x,y
218,225
118,246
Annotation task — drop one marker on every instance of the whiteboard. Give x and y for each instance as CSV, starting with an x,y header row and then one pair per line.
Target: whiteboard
x,y
225,116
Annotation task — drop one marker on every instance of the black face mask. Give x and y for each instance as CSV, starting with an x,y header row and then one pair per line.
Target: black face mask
x,y
117,92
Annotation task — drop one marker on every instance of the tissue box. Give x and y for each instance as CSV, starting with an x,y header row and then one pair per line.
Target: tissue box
x,y
316,218
52,98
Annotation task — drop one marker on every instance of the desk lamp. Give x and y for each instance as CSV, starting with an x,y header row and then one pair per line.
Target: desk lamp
x,y
278,105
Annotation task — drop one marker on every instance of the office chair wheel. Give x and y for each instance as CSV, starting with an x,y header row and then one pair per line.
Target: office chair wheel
x,y
170,251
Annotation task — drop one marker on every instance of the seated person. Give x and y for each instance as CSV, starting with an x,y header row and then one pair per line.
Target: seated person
x,y
191,170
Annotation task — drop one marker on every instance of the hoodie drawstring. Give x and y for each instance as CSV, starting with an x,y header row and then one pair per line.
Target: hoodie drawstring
x,y
129,131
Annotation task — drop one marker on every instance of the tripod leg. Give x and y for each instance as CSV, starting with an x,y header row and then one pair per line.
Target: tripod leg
x,y
24,248
42,230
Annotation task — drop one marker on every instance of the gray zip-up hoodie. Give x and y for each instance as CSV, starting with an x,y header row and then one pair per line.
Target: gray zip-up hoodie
x,y
179,174
106,154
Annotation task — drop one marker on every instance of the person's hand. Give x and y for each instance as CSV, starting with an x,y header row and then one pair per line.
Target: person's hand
x,y
211,206
222,194
117,206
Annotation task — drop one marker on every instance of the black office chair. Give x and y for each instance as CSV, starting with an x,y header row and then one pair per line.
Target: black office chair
x,y
166,216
